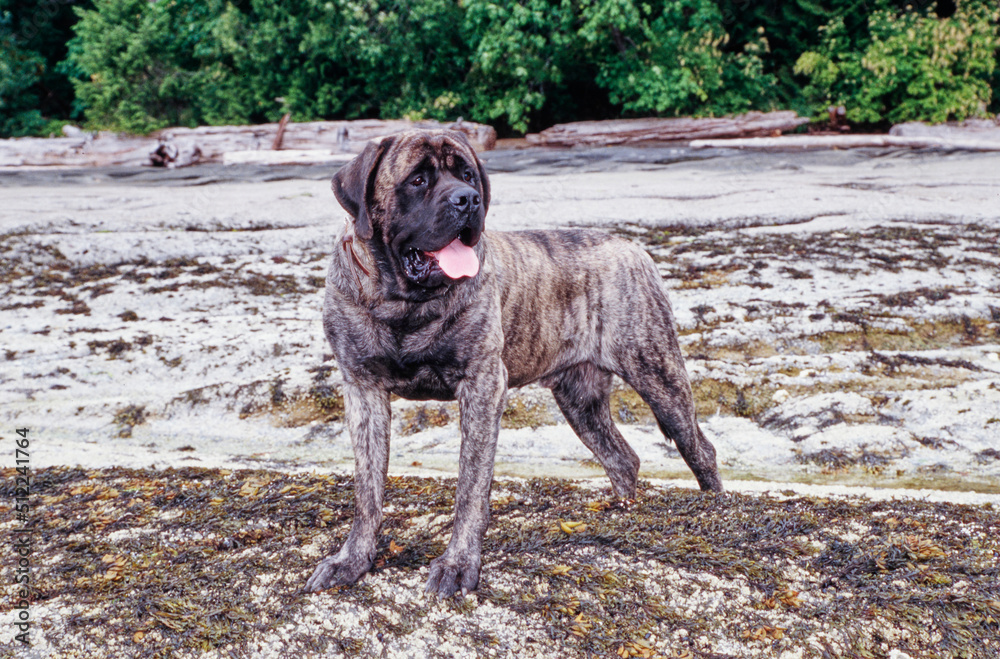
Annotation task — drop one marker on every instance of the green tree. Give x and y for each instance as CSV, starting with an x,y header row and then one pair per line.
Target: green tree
x,y
33,89
20,72
119,47
186,62
525,54
907,66
668,58
518,64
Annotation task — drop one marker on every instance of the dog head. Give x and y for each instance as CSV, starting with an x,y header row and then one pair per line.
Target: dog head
x,y
419,202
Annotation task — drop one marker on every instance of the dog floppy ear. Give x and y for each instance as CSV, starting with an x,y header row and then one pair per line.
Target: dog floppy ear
x,y
485,182
355,181
484,179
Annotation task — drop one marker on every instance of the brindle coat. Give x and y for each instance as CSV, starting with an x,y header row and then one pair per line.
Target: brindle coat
x,y
567,309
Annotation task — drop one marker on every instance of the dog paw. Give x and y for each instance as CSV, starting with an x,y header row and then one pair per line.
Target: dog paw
x,y
336,570
451,575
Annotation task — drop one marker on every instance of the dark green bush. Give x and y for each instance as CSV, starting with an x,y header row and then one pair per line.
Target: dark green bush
x,y
791,27
187,62
595,58
120,47
376,58
518,64
522,55
667,58
908,65
148,65
33,89
512,63
20,71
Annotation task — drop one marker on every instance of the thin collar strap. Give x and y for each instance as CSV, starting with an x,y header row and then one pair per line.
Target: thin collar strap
x,y
348,244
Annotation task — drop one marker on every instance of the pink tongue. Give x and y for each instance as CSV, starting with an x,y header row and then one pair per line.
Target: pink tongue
x,y
457,260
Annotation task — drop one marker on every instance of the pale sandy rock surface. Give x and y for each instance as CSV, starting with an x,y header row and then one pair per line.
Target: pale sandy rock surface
x,y
834,308
840,313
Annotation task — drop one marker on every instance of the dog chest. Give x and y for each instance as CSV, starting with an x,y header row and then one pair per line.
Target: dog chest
x,y
432,374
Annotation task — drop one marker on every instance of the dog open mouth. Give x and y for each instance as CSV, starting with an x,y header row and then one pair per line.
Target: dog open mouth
x,y
456,260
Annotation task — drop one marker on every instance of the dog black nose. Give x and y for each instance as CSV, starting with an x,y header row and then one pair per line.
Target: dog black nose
x,y
461,199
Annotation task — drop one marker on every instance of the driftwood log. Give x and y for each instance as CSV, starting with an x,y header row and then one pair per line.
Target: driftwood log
x,y
984,130
285,157
178,147
333,136
682,129
820,142
79,150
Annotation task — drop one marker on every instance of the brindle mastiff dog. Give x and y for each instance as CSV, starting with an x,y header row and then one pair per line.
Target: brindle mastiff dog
x,y
422,303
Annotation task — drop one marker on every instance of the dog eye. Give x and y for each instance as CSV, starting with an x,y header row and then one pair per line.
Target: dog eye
x,y
467,177
417,181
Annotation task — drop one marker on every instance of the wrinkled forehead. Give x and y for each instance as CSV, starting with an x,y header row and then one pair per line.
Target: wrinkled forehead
x,y
441,149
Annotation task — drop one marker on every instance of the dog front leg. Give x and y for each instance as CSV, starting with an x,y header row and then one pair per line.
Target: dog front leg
x,y
481,399
368,415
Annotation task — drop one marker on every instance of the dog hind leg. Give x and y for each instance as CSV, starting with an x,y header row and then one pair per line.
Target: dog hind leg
x,y
582,393
656,372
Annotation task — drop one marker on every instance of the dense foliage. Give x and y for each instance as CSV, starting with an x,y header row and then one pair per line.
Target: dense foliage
x,y
906,66
137,65
33,38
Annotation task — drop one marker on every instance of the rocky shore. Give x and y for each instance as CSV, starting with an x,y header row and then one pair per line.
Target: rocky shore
x,y
840,314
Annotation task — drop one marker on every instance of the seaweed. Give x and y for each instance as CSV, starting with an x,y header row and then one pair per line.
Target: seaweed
x,y
179,562
521,413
